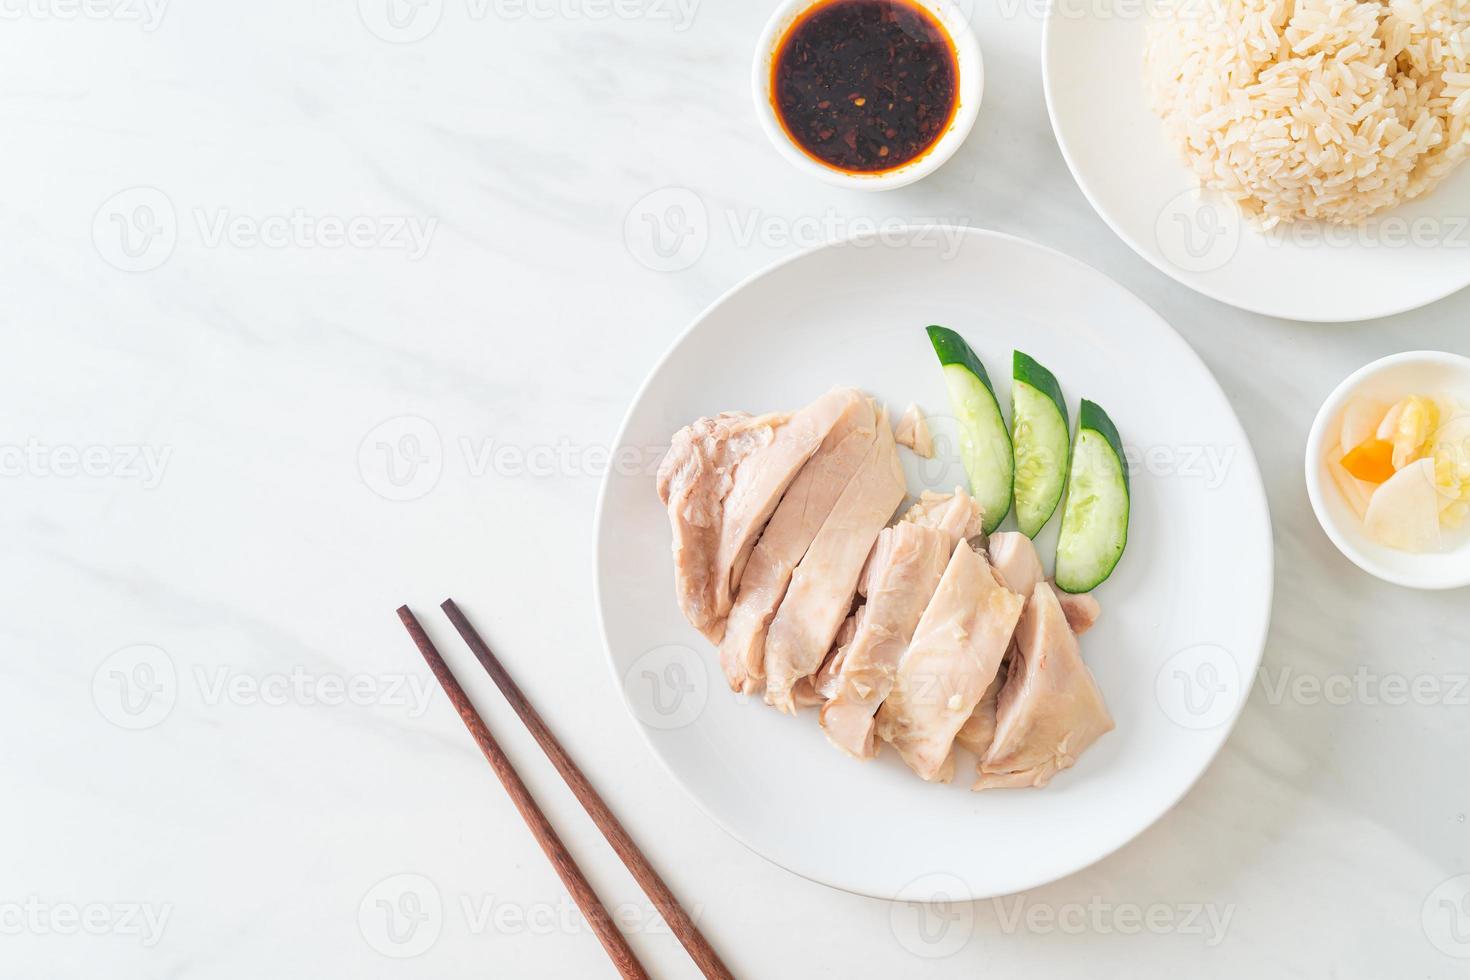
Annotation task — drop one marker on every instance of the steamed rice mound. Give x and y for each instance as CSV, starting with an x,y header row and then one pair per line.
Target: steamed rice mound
x,y
1325,110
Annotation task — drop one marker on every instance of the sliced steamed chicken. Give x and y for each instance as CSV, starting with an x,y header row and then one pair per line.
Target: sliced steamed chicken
x,y
978,732
693,481
721,481
1082,610
957,514
784,543
817,690
954,656
913,431
825,582
1014,557
1050,710
1016,560
762,479
902,575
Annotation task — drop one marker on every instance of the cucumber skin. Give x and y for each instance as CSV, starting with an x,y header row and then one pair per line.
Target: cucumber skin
x,y
952,349
1091,417
1026,368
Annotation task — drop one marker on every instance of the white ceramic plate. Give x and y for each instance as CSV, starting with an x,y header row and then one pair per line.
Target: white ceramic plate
x,y
1116,148
1184,618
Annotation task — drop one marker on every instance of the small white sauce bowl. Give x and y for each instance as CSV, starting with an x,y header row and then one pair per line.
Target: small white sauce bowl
x,y
1388,380
971,85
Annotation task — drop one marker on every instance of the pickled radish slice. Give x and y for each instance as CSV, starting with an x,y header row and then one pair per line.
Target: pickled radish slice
x,y
1404,512
1354,491
1360,420
1390,422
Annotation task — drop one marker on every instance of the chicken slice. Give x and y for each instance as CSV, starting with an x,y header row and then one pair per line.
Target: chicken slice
x,y
903,573
787,537
695,477
907,564
913,431
817,690
1050,710
957,514
760,481
1014,556
979,732
951,661
721,480
1082,611
824,583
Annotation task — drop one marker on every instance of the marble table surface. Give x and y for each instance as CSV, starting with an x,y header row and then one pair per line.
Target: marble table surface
x,y
316,307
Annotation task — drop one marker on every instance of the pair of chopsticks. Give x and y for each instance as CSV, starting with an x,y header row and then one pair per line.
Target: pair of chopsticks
x,y
596,913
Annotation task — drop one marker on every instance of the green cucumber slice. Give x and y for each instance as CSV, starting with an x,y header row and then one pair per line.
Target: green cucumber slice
x,y
1095,519
1042,437
985,443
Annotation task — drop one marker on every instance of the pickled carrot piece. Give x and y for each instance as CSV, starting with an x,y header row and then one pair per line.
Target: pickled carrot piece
x,y
1371,461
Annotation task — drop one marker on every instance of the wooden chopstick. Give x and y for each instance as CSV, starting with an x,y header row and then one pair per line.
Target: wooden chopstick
x,y
607,932
648,879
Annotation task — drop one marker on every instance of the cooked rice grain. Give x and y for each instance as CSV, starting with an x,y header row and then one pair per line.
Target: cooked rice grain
x,y
1325,110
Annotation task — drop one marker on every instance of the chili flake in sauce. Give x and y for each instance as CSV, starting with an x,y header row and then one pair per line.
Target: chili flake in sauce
x,y
866,86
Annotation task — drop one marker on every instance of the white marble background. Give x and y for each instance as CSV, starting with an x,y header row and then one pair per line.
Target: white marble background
x,y
216,763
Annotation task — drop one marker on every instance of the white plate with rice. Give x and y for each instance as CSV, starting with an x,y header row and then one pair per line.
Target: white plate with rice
x,y
1328,133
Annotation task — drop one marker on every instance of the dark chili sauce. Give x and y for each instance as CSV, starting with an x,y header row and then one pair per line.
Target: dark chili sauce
x,y
865,86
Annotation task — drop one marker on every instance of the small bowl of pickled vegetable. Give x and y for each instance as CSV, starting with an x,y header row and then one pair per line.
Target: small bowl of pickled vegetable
x,y
1388,469
868,94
